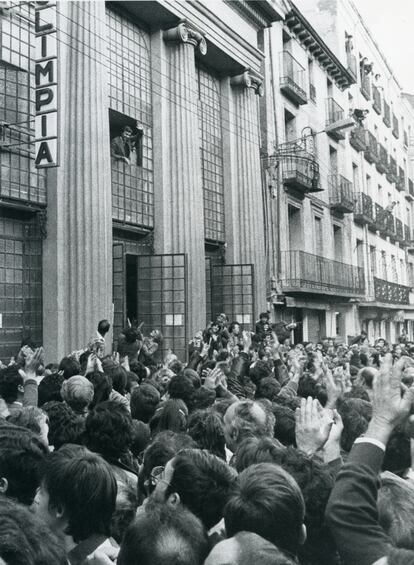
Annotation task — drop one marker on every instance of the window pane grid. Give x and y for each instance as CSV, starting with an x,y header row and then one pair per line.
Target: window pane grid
x,y
130,94
209,111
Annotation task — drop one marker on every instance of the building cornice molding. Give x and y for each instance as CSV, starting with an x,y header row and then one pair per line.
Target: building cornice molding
x,y
313,42
261,13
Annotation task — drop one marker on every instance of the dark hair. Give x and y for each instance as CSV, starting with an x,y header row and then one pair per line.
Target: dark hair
x,y
268,387
162,448
397,456
182,386
162,535
125,510
144,401
206,428
108,430
103,327
354,426
10,380
261,370
21,454
141,437
85,487
118,376
254,450
65,426
102,386
203,482
25,540
70,367
203,398
285,424
357,392
170,415
132,381
266,500
132,335
49,388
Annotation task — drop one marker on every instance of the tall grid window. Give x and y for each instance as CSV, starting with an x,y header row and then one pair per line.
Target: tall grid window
x,y
211,145
19,179
130,95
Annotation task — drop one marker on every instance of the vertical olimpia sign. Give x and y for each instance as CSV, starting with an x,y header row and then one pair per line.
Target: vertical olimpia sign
x,y
46,86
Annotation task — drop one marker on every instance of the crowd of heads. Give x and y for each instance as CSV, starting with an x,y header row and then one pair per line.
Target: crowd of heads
x,y
229,456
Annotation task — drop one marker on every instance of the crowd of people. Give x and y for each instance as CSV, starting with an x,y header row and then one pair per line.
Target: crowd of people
x,y
255,450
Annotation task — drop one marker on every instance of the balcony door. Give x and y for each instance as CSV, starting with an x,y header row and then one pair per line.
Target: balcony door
x,y
295,228
338,243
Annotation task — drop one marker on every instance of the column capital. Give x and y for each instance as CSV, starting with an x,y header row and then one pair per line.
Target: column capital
x,y
248,79
184,32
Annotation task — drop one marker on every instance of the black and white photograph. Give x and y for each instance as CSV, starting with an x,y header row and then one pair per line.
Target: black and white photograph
x,y
206,282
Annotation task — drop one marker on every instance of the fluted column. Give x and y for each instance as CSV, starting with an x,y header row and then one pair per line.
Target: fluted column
x,y
77,270
179,219
245,202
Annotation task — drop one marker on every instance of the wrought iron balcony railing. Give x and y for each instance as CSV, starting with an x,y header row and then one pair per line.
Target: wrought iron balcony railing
x,y
334,113
387,114
382,162
376,95
392,172
391,293
300,172
395,127
363,213
400,184
366,85
399,230
384,221
407,240
306,272
371,149
357,138
292,80
341,197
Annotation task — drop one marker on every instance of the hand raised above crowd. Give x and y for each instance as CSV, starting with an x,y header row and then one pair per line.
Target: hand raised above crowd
x,y
313,425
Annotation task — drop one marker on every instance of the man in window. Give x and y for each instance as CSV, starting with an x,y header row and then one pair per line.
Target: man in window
x,y
123,145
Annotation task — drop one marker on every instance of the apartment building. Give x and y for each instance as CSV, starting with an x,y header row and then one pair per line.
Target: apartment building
x,y
344,242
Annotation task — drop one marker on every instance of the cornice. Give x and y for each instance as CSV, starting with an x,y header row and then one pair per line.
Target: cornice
x,y
261,13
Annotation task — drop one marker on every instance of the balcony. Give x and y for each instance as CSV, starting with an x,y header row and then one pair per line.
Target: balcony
x,y
363,213
384,222
376,95
392,172
409,195
365,85
382,163
391,293
357,138
300,173
352,65
334,113
395,127
399,231
305,272
312,92
400,184
386,118
292,81
407,240
341,198
371,147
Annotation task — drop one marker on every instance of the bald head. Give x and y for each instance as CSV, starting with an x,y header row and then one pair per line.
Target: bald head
x,y
245,419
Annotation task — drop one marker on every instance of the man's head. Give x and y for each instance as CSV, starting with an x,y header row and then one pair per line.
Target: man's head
x,y
199,480
11,384
103,327
163,535
21,454
395,508
78,393
33,419
64,425
182,386
206,428
108,430
69,367
49,388
77,494
246,418
26,540
267,500
144,401
126,132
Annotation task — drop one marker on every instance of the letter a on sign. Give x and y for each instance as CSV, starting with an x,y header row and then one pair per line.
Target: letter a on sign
x,y
43,155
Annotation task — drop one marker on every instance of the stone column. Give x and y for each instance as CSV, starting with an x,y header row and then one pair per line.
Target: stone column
x,y
179,217
77,256
245,199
